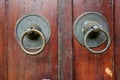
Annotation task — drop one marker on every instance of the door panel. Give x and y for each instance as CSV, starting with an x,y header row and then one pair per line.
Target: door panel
x,y
87,66
3,44
63,57
117,39
26,67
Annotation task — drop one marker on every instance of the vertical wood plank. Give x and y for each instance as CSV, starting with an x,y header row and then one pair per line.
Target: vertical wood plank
x,y
117,39
89,66
27,67
3,47
65,39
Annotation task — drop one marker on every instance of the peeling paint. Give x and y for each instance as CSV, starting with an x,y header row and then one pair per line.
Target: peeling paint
x,y
108,71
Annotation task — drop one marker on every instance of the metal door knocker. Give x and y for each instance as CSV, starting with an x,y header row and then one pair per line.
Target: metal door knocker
x,y
91,29
32,32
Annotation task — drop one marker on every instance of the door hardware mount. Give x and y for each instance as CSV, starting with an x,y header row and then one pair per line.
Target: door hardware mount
x,y
96,37
39,31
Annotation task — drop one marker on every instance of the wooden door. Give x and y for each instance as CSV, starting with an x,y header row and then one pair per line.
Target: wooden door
x,y
63,57
53,63
87,66
19,65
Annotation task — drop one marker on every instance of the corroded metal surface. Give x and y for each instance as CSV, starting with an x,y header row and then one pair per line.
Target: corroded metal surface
x,y
22,45
96,28
32,20
86,20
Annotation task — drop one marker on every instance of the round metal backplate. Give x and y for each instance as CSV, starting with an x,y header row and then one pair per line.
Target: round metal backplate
x,y
32,20
80,24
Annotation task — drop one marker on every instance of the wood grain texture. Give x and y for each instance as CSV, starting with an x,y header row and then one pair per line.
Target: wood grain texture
x,y
89,66
74,62
117,39
3,47
26,67
65,39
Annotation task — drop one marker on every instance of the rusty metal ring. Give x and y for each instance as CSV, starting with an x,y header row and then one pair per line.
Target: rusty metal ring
x,y
22,45
93,51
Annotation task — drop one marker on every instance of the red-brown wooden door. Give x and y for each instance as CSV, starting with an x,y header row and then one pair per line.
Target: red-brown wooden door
x,y
20,66
87,66
63,57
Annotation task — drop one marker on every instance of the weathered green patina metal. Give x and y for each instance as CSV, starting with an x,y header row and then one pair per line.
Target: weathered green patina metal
x,y
32,40
26,32
85,22
97,29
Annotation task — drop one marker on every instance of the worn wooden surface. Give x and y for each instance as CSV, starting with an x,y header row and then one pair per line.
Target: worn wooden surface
x,y
63,57
89,66
117,39
65,39
3,47
26,67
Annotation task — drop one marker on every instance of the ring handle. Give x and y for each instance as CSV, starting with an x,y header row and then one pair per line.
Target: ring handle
x,y
22,45
107,36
